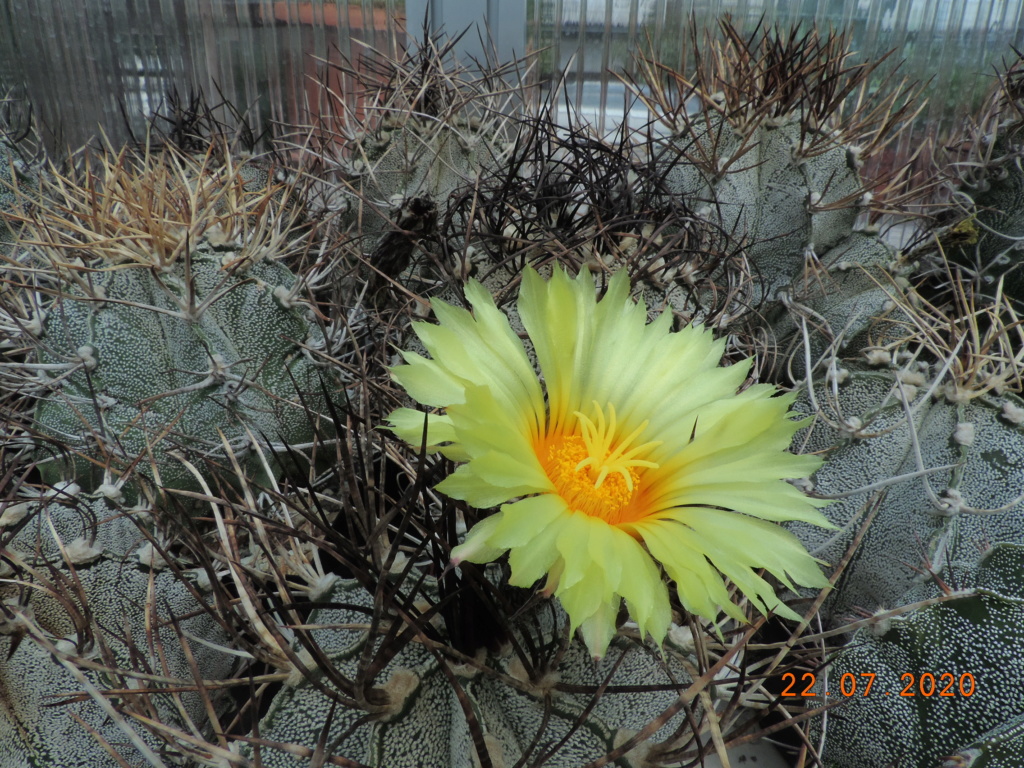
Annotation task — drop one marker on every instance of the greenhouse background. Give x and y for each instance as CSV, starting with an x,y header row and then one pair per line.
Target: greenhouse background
x,y
85,64
249,512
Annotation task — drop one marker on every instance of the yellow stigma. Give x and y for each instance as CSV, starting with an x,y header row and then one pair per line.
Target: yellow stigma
x,y
594,472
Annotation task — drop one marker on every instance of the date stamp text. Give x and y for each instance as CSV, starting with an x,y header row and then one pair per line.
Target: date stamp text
x,y
863,684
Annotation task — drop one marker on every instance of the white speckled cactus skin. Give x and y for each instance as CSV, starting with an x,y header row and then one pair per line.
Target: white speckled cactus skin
x,y
737,239
816,280
992,214
18,168
82,582
969,643
422,723
163,339
1000,747
139,380
920,419
925,462
974,450
7,173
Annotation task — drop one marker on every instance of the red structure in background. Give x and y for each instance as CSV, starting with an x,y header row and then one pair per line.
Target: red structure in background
x,y
323,28
326,15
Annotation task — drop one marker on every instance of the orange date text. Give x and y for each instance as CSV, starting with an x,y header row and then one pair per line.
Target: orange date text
x,y
863,684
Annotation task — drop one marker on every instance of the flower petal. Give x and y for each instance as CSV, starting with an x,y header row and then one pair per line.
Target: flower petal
x,y
699,586
778,502
530,563
409,425
477,547
599,628
525,521
428,382
487,481
642,586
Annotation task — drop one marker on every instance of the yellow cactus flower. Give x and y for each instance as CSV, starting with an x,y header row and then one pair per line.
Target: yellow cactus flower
x,y
632,450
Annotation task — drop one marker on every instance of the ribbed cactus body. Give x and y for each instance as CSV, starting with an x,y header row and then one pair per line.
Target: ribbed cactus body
x,y
15,171
91,589
148,365
161,320
964,465
398,180
983,229
849,300
922,434
420,722
1000,747
7,197
948,678
744,217
988,234
785,202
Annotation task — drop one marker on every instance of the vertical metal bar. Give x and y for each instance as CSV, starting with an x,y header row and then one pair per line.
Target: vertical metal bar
x,y
606,49
392,11
581,53
257,76
634,48
556,41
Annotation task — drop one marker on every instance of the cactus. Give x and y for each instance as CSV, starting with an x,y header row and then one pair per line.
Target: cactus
x,y
999,748
397,667
493,698
983,227
967,643
90,606
19,159
163,320
911,379
164,344
942,407
774,157
925,458
427,128
963,460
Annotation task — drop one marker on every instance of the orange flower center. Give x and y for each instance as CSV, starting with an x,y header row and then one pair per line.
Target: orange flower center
x,y
594,472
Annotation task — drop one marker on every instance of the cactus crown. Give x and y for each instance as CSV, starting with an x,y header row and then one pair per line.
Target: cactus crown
x,y
152,288
150,209
773,73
